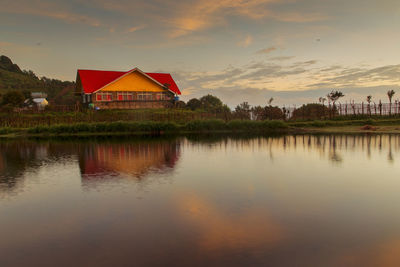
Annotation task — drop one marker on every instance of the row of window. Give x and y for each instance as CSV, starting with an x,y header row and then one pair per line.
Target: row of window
x,y
127,96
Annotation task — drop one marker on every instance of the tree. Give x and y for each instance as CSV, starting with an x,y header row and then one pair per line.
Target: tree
x,y
310,112
180,104
242,111
258,113
211,103
333,97
322,101
267,113
390,95
273,113
193,104
13,99
369,104
270,101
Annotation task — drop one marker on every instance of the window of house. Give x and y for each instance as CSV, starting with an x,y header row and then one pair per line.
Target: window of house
x,y
104,96
124,96
145,96
162,96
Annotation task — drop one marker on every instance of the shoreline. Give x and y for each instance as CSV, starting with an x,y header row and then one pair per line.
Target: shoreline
x,y
381,129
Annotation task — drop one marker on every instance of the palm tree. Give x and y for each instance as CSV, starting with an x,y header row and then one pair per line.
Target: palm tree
x,y
334,96
270,101
390,95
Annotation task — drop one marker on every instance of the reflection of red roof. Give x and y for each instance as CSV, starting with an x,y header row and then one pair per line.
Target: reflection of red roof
x,y
93,80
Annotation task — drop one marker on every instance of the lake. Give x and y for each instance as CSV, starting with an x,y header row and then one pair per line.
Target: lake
x,y
324,200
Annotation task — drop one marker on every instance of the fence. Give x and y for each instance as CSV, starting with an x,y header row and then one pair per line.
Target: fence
x,y
354,109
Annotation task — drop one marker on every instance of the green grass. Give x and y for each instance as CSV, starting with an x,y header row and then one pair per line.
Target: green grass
x,y
195,126
159,127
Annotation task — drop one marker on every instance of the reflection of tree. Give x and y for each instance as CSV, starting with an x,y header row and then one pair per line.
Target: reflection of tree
x,y
368,146
390,153
15,158
136,157
333,155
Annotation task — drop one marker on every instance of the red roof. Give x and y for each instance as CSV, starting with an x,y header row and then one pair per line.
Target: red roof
x,y
93,80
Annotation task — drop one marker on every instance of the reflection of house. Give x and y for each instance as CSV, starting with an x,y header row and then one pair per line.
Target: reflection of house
x,y
126,90
137,160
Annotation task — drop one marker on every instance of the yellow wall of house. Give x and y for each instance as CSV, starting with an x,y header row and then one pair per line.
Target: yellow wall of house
x,y
134,81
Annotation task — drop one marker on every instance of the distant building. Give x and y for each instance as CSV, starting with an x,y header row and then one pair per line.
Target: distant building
x,y
126,90
37,100
38,95
40,103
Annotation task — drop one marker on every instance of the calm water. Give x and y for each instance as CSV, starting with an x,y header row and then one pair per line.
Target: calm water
x,y
265,201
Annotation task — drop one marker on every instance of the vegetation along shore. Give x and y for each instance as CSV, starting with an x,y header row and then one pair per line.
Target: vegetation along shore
x,y
207,126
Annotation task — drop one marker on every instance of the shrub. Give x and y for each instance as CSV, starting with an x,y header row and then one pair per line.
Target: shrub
x,y
205,125
6,130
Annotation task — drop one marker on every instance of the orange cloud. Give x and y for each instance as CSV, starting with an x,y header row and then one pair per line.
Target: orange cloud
x,y
200,15
267,50
136,28
299,17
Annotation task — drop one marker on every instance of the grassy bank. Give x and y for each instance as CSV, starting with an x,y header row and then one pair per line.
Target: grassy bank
x,y
207,126
180,116
152,127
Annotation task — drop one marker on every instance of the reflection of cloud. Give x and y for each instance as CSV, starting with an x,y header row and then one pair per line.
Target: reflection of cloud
x,y
389,254
386,253
221,231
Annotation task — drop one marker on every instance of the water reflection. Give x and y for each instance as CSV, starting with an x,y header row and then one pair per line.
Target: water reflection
x,y
19,157
328,147
328,200
99,161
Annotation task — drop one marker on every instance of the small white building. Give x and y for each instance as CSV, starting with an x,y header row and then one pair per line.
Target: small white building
x,y
41,103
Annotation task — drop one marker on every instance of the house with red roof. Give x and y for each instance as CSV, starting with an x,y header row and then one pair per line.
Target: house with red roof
x,y
126,90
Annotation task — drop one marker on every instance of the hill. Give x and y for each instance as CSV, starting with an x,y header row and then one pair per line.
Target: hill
x,y
13,78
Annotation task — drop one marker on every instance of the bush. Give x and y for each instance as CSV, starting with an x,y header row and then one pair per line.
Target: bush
x,y
274,125
256,125
311,112
205,125
38,129
6,130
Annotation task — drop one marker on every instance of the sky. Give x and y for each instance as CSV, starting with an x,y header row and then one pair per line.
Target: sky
x,y
239,50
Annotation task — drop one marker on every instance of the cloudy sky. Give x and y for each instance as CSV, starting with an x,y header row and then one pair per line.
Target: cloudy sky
x,y
239,50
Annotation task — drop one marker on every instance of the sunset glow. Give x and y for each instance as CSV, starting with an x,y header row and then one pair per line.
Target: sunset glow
x,y
292,50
